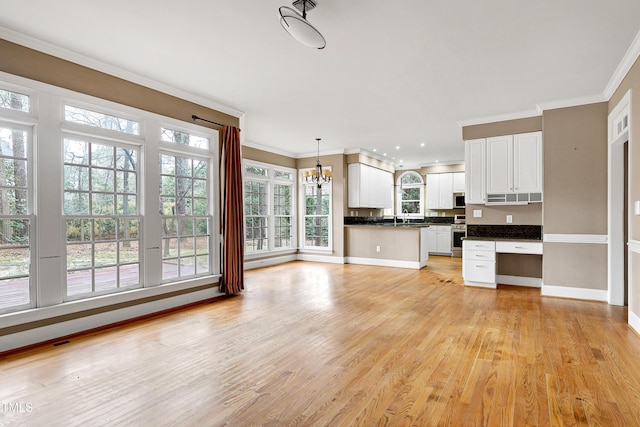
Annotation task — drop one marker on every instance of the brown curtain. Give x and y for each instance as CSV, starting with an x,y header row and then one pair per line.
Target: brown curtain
x,y
232,281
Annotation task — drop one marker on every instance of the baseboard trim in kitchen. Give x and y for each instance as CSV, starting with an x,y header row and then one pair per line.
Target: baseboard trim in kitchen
x,y
634,322
383,262
577,293
532,282
266,262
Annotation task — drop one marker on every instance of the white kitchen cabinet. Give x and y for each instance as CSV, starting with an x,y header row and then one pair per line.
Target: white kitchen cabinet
x,y
458,182
439,239
527,162
369,187
440,191
479,263
500,164
475,171
514,163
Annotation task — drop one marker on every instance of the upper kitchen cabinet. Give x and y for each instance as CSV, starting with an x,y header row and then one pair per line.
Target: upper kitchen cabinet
x,y
440,191
514,168
475,171
458,182
369,187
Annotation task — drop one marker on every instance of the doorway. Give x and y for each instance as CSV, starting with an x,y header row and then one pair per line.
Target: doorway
x,y
618,217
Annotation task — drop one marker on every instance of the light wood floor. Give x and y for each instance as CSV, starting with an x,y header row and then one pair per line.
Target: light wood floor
x,y
341,345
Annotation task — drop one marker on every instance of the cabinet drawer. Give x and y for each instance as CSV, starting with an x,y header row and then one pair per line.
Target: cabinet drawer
x,y
446,228
519,247
478,255
480,271
479,245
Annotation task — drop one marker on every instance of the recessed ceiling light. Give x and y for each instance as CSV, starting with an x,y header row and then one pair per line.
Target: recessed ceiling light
x,y
397,147
375,149
393,158
422,144
384,154
437,161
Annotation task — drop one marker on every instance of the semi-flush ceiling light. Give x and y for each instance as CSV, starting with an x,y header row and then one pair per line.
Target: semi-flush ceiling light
x,y
298,26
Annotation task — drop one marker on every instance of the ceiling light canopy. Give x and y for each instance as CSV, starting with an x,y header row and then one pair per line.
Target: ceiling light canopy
x,y
298,26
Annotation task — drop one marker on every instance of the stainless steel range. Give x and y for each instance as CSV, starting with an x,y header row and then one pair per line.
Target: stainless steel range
x,y
458,232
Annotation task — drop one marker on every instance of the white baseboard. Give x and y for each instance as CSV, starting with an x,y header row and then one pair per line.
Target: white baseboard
x,y
248,265
634,321
533,282
577,293
383,262
321,258
70,327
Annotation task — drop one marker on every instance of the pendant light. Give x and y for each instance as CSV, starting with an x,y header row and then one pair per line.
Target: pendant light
x,y
298,26
318,176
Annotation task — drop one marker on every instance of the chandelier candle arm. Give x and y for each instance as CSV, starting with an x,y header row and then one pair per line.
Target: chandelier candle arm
x,y
318,176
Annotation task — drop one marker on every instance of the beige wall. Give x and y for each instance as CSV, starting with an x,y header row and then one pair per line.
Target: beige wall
x,y
396,243
31,64
507,127
257,155
530,214
575,170
575,194
632,82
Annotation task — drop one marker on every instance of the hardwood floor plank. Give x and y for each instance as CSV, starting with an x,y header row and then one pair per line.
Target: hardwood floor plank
x,y
343,345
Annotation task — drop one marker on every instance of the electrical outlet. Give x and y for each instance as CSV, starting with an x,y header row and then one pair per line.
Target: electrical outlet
x,y
378,248
509,219
477,213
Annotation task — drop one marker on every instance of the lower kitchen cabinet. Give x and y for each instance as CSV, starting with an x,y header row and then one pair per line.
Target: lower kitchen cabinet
x,y
479,263
439,239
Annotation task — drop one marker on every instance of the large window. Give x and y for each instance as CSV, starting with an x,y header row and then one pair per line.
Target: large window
x,y
186,218
268,207
101,215
105,197
410,200
15,221
317,216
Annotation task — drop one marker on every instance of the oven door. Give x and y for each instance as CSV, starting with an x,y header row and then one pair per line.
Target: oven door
x,y
456,242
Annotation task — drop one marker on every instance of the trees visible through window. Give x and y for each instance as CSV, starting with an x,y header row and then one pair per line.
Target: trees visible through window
x,y
15,246
317,216
411,191
268,207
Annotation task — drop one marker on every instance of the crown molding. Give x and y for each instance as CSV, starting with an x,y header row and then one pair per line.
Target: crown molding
x,y
623,68
269,149
68,55
499,118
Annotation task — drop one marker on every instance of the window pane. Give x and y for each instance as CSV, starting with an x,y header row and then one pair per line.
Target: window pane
x,y
129,275
284,175
76,203
256,170
126,159
103,204
128,251
79,256
78,230
410,207
128,228
411,194
126,182
102,180
100,120
184,138
76,152
14,101
317,231
126,204
411,178
76,178
105,254
13,143
102,156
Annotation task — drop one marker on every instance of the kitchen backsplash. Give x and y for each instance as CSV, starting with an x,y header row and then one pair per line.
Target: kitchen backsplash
x,y
358,220
528,232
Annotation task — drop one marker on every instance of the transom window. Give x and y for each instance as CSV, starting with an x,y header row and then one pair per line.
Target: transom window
x,y
15,101
100,120
183,138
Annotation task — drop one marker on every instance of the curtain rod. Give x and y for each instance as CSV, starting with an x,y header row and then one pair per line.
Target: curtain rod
x,y
194,117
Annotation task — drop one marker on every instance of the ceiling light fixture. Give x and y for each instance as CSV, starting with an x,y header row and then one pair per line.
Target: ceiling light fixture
x,y
317,175
298,26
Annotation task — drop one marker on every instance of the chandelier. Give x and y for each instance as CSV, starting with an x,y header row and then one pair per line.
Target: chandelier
x,y
317,176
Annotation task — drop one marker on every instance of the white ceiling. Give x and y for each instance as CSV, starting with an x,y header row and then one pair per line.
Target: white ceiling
x,y
393,73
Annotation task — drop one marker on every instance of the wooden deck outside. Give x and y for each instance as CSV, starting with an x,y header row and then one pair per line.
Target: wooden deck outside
x,y
311,344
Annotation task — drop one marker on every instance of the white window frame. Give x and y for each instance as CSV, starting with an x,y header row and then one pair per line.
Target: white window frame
x,y
303,216
400,187
271,181
48,237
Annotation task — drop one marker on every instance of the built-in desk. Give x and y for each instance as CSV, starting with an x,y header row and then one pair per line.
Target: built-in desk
x,y
480,261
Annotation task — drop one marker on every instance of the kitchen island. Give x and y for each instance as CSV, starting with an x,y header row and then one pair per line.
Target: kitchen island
x,y
389,245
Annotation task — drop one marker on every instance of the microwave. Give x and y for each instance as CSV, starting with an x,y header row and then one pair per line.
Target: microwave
x,y
458,200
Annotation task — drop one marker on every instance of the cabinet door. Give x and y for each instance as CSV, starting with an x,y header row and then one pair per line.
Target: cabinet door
x,y
443,240
500,164
475,171
353,181
432,242
527,158
433,191
387,190
458,182
445,199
